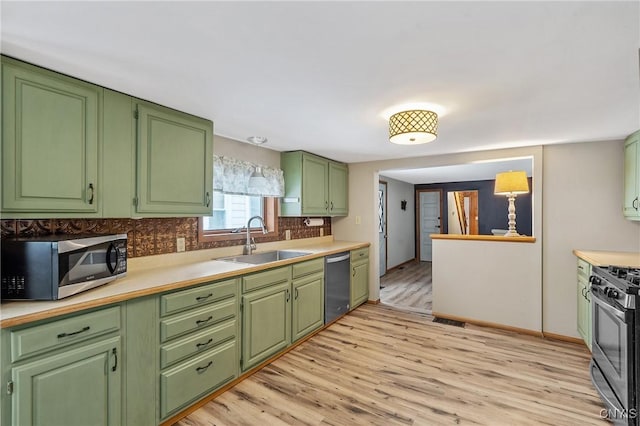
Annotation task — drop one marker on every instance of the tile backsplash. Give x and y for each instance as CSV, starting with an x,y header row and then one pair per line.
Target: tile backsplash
x,y
147,237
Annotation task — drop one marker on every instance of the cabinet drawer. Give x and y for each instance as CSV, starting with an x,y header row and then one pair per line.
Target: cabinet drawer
x,y
360,254
265,279
185,299
197,319
584,269
197,343
188,381
41,338
308,267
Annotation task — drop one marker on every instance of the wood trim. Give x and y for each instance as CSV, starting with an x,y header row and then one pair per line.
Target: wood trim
x,y
175,418
489,324
373,302
270,215
386,231
519,239
563,338
417,216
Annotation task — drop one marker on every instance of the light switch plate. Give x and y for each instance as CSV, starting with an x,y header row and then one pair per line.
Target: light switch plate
x,y
358,220
180,244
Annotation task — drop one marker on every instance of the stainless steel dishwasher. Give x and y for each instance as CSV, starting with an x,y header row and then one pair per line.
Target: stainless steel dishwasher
x,y
337,285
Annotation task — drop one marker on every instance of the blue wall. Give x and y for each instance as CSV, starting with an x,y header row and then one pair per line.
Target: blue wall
x,y
492,209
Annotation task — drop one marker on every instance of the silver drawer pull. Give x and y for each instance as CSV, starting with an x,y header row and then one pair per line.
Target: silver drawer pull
x,y
201,345
200,322
61,335
203,369
201,298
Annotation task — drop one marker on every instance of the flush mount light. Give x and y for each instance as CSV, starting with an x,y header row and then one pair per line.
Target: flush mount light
x,y
413,127
257,140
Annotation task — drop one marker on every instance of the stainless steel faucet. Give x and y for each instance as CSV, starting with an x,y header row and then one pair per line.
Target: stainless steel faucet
x,y
250,245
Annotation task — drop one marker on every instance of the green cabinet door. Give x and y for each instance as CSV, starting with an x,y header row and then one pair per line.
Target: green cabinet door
x,y
308,305
359,283
175,162
50,142
266,323
338,189
584,313
632,176
79,387
315,193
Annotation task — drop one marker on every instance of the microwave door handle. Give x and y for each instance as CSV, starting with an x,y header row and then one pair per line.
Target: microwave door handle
x,y
112,268
607,307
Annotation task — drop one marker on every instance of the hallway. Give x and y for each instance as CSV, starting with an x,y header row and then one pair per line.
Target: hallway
x,y
408,287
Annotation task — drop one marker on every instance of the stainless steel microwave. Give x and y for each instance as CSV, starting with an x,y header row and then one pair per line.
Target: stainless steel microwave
x,y
57,266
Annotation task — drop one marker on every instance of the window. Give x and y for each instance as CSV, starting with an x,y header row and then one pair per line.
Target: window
x,y
231,212
230,216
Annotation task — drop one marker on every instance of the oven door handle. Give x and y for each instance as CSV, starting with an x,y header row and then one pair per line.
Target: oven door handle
x,y
607,307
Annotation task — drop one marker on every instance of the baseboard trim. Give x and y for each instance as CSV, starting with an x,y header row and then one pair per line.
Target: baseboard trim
x,y
373,302
489,324
563,338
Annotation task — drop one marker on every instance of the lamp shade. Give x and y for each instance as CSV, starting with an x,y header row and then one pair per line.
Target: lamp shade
x,y
413,127
511,183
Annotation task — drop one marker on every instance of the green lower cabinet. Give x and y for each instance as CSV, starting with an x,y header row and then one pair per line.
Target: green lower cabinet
x,y
584,302
308,305
82,387
201,375
266,323
359,277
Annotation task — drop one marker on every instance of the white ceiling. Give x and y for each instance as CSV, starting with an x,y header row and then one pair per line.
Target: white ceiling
x,y
317,75
485,170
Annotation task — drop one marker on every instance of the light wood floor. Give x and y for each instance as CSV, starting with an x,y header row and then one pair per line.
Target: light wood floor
x,y
408,288
381,366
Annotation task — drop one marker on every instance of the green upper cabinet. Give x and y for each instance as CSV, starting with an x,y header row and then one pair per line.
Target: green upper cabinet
x,y
174,162
338,189
74,149
631,206
51,142
314,186
315,192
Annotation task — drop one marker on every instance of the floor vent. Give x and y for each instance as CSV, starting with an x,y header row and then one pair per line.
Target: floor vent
x,y
449,322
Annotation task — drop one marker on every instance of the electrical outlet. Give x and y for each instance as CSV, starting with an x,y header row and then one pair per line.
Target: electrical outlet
x,y
358,220
322,232
180,244
287,234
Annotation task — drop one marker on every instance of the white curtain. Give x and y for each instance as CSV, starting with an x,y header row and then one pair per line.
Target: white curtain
x,y
231,176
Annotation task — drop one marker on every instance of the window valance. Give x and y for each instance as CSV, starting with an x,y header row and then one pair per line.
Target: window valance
x,y
232,176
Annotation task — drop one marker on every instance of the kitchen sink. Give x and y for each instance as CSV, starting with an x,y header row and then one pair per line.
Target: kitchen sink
x,y
266,257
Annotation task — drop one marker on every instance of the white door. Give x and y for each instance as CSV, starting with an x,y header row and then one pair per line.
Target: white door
x,y
382,226
429,221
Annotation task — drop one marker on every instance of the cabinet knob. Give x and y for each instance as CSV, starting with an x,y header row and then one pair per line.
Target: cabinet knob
x,y
635,203
208,199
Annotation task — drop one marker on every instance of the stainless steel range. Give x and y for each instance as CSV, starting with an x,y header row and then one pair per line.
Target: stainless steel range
x,y
616,342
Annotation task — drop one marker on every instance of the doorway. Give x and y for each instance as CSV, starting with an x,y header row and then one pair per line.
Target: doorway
x,y
382,226
429,214
463,212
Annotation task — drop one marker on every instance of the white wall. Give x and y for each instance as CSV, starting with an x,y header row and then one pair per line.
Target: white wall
x,y
401,229
493,283
245,151
582,199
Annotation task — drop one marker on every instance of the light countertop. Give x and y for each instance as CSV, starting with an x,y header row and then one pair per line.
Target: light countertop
x,y
155,274
606,258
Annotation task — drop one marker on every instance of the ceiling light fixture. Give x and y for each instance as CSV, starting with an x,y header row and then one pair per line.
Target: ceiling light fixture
x,y
413,127
257,140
